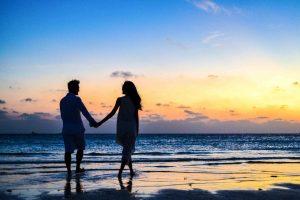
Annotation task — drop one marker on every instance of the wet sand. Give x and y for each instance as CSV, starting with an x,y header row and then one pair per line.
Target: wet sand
x,y
185,180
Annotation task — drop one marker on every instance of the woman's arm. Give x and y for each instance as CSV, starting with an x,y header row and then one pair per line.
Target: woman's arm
x,y
137,120
114,110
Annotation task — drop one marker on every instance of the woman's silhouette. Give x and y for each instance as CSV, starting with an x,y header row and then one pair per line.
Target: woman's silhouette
x,y
127,123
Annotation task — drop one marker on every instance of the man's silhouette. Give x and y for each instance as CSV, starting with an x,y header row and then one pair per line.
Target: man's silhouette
x,y
73,130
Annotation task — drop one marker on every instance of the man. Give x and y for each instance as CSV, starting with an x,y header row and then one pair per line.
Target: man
x,y
73,130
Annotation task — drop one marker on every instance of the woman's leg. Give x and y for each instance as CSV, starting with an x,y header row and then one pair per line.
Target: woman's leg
x,y
130,166
123,163
124,160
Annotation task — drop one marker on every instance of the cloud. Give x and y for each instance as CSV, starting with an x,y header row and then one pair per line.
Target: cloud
x,y
175,43
3,115
151,118
42,122
35,115
213,39
123,74
95,114
27,122
54,100
216,126
2,101
13,88
296,83
103,105
58,90
278,119
183,107
283,107
261,117
194,116
233,113
208,6
162,105
28,100
278,89
212,76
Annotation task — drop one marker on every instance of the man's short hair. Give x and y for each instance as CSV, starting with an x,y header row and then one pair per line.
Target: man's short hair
x,y
73,84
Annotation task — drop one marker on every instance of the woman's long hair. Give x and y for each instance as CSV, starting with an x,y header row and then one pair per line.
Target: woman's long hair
x,y
130,90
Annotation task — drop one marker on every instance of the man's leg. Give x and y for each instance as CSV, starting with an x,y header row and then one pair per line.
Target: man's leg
x,y
79,156
68,161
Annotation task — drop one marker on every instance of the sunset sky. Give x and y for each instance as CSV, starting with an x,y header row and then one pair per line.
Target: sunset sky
x,y
202,66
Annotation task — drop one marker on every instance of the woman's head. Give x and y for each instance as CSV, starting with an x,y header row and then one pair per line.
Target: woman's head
x,y
130,90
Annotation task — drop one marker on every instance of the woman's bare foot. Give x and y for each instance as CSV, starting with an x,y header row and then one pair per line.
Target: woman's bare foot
x,y
80,170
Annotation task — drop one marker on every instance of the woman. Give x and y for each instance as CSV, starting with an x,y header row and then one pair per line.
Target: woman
x,y
127,123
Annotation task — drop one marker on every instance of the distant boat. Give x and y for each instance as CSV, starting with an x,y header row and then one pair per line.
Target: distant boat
x,y
33,133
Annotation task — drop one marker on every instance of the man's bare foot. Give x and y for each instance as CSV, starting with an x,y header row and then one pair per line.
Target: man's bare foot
x,y
80,170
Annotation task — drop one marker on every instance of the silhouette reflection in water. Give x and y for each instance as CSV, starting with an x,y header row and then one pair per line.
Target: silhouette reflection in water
x,y
129,184
68,186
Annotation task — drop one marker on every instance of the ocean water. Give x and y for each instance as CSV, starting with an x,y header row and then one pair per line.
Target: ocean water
x,y
32,165
207,149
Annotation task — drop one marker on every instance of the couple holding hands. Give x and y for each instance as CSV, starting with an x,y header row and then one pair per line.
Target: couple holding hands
x,y
127,124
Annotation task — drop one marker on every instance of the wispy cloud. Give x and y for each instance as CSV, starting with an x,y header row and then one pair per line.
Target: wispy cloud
x,y
123,74
183,107
210,6
2,101
162,104
212,76
213,39
175,43
57,90
103,105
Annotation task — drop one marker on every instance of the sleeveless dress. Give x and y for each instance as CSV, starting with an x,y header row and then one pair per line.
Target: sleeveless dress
x,y
126,127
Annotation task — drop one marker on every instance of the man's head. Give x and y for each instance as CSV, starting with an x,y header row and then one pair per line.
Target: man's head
x,y
73,86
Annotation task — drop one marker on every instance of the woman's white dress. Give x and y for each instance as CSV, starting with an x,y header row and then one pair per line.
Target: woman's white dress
x,y
126,126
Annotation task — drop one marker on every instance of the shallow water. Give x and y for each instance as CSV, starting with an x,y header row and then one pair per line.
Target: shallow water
x,y
33,164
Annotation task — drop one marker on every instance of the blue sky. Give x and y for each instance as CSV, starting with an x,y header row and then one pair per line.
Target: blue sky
x,y
250,46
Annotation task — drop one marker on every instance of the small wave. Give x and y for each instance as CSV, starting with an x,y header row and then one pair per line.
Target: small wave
x,y
137,153
23,153
192,153
154,160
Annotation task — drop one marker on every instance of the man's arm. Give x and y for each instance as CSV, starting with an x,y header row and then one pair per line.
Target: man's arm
x,y
86,113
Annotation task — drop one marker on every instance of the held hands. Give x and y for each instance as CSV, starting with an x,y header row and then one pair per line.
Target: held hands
x,y
93,124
